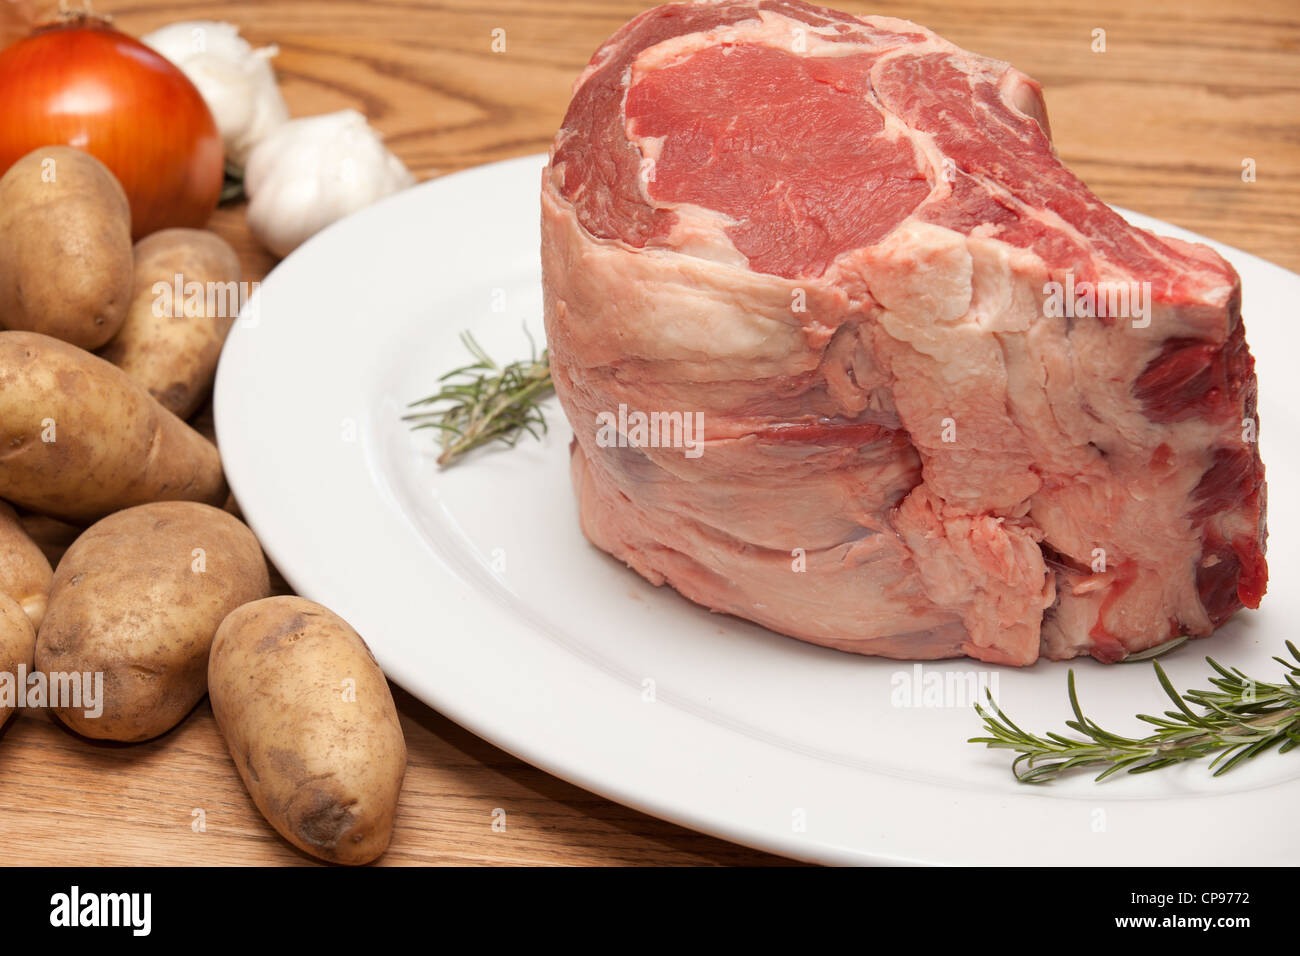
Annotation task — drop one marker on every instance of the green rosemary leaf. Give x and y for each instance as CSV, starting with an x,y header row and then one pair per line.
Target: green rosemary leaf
x,y
483,402
1238,720
232,186
1158,651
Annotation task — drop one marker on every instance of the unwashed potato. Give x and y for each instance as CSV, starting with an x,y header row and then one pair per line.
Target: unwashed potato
x,y
311,725
65,247
170,343
138,598
24,572
17,643
79,439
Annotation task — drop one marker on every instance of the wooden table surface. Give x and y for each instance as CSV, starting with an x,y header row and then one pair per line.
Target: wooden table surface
x,y
1160,122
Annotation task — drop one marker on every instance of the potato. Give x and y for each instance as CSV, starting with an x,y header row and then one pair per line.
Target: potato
x,y
17,642
311,725
138,598
24,572
79,439
51,535
65,247
174,354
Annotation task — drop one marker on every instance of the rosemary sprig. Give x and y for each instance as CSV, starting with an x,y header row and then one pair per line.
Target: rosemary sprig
x,y
232,188
485,402
1239,719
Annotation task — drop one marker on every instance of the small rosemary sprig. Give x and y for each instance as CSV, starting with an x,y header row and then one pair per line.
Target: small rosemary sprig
x,y
1239,719
485,402
232,188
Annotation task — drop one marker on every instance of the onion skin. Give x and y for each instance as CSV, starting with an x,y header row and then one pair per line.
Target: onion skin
x,y
15,20
86,85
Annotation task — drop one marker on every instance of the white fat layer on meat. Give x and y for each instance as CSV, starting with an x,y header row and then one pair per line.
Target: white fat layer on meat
x,y
941,295
767,29
714,321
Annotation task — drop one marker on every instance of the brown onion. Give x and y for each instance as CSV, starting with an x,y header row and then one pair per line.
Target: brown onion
x,y
82,83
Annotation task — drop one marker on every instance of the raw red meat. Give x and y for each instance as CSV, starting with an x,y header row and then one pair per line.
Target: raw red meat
x,y
946,401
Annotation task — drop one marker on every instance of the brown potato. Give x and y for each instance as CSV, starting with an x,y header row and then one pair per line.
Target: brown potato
x,y
51,535
138,598
79,439
17,644
169,343
65,247
24,572
311,725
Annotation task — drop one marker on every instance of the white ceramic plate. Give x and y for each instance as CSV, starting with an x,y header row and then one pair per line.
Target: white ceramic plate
x,y
479,595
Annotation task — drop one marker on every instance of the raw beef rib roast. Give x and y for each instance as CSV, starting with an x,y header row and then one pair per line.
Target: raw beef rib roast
x,y
849,353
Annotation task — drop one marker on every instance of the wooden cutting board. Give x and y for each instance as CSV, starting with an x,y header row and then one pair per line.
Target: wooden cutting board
x,y
1185,92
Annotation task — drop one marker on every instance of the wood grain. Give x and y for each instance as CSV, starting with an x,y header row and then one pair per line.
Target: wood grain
x,y
1160,122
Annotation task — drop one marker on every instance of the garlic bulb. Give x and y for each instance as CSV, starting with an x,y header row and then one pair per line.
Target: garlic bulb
x,y
313,171
235,80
